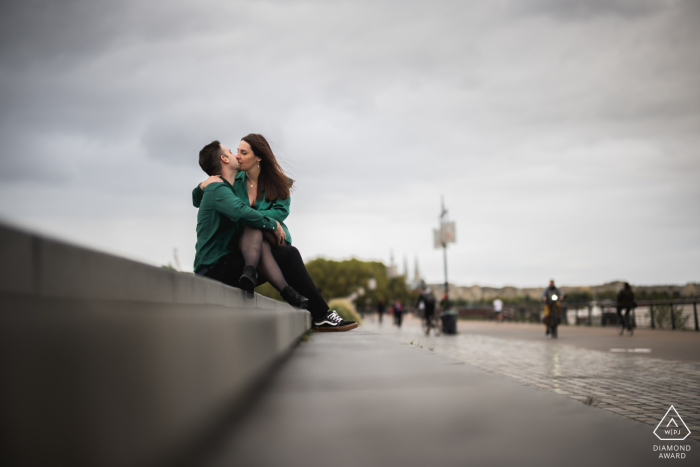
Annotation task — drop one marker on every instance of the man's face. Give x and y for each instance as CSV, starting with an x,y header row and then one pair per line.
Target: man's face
x,y
229,158
551,284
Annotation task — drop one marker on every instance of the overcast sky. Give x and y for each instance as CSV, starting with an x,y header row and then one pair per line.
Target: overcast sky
x,y
564,135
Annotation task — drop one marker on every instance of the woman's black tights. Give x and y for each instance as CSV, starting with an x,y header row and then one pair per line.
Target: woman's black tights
x,y
256,252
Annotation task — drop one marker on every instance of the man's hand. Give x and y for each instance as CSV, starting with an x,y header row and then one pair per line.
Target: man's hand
x,y
279,234
212,179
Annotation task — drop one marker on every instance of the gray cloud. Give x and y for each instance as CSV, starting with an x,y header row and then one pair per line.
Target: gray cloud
x,y
376,108
589,9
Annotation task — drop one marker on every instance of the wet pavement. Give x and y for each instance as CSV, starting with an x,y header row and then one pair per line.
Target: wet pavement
x,y
372,399
625,379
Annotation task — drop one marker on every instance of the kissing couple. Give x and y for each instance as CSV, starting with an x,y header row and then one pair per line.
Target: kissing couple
x,y
242,240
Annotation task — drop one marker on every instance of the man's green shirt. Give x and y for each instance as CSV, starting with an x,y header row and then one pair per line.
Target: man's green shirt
x,y
220,212
277,209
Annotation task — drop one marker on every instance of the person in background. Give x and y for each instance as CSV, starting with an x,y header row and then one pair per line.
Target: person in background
x,y
426,302
625,300
498,309
551,291
398,312
381,308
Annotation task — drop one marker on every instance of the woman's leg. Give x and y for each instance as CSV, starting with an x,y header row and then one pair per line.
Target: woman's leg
x,y
250,244
269,267
292,266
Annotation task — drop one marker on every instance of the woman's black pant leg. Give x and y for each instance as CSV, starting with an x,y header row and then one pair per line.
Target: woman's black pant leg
x,y
292,266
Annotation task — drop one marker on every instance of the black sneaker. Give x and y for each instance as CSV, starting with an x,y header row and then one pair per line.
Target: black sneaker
x,y
294,298
332,322
248,280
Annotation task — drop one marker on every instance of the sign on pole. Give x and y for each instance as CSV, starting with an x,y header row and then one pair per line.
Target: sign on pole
x,y
444,235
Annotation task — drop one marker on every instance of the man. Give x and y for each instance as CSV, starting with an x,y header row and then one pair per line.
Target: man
x,y
221,213
548,297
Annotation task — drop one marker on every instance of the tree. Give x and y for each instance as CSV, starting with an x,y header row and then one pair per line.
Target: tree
x,y
336,279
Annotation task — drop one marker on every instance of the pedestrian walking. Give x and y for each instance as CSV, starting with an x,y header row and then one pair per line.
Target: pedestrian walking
x,y
625,300
498,309
381,308
398,312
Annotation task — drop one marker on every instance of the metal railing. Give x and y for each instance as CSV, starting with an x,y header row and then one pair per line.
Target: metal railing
x,y
608,306
530,312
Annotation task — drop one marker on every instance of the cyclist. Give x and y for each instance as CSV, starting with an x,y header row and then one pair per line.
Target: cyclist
x,y
427,300
548,297
625,300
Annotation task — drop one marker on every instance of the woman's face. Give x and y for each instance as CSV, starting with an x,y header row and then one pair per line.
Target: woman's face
x,y
245,157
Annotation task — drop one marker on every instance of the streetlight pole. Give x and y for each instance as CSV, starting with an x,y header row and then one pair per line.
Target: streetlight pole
x,y
443,215
443,235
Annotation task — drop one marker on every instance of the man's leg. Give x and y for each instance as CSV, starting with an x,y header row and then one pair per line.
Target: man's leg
x,y
292,266
228,270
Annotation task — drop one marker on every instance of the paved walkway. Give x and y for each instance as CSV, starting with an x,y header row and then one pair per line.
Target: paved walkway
x,y
664,344
363,398
631,384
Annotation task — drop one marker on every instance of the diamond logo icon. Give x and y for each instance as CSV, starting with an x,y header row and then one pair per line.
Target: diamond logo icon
x,y
672,427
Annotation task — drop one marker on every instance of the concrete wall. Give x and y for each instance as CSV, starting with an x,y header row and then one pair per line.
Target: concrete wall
x,y
106,361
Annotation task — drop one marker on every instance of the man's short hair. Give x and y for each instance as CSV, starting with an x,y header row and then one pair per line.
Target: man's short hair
x,y
210,158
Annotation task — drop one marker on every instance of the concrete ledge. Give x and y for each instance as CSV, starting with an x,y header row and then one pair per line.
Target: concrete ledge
x,y
106,361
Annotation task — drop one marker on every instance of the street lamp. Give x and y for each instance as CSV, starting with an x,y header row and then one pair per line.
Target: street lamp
x,y
443,235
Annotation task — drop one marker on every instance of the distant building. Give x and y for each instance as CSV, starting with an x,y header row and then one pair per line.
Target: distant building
x,y
417,282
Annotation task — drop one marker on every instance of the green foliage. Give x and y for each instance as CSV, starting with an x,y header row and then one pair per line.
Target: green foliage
x,y
344,311
266,290
341,278
578,297
337,279
608,294
662,317
655,295
169,266
306,337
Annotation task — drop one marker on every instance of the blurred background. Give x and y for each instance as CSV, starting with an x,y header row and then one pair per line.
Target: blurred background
x,y
563,135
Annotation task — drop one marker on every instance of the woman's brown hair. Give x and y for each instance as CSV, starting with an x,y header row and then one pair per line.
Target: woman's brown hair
x,y
272,178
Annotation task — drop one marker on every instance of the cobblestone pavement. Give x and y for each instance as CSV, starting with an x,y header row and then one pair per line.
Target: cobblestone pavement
x,y
640,388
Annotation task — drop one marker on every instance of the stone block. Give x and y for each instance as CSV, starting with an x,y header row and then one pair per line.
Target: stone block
x,y
16,261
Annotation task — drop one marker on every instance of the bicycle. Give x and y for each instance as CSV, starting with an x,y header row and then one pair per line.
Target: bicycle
x,y
432,321
628,321
552,301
